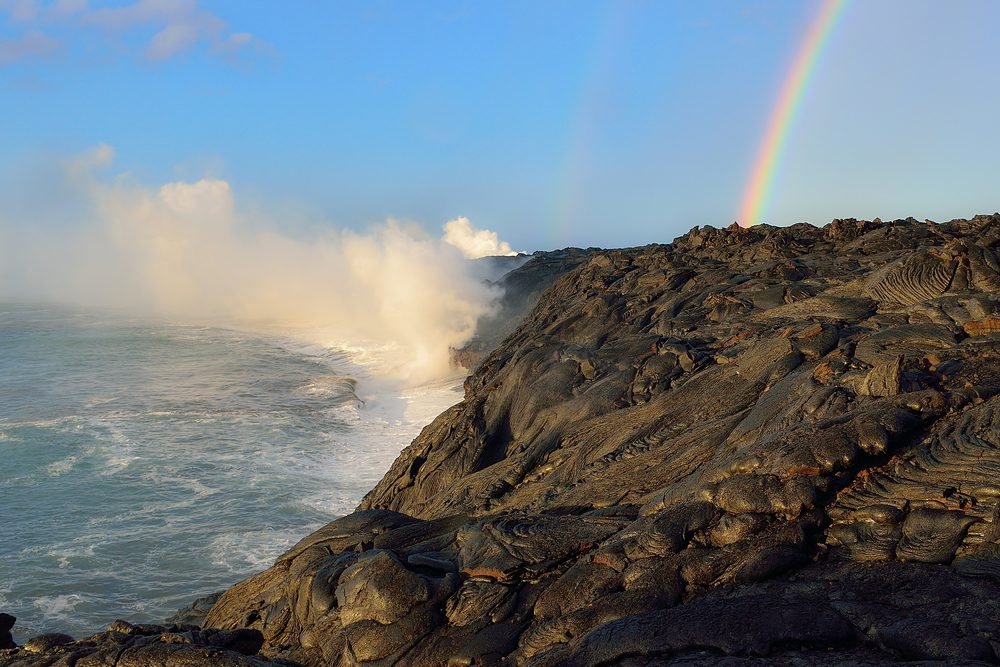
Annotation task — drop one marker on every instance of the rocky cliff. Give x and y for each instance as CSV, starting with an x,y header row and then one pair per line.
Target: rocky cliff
x,y
781,444
520,289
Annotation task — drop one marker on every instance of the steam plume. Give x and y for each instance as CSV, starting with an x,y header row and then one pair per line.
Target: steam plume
x,y
186,251
474,243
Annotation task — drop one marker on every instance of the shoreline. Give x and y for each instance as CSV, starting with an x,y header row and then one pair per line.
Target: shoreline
x,y
79,437
800,420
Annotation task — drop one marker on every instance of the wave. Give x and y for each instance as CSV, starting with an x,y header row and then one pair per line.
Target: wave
x,y
63,466
331,388
57,607
241,552
253,439
72,557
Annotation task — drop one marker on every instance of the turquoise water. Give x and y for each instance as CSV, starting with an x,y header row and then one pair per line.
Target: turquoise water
x,y
144,464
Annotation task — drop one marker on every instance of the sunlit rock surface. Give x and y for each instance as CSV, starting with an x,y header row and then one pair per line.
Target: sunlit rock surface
x,y
762,446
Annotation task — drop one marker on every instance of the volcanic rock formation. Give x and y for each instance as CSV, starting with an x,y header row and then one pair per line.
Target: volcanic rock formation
x,y
781,444
520,291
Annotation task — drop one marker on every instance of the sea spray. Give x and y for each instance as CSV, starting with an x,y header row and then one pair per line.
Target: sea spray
x,y
211,390
187,251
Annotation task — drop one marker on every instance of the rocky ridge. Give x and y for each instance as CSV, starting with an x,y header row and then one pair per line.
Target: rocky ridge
x,y
750,446
520,288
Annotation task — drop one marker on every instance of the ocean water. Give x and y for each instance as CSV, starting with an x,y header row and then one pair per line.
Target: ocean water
x,y
143,464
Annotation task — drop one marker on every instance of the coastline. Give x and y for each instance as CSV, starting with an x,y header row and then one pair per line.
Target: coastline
x,y
147,460
802,420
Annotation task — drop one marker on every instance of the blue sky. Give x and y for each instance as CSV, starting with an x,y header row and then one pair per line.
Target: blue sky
x,y
554,123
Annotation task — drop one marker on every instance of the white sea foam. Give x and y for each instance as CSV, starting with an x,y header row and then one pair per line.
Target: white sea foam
x,y
57,607
333,502
98,401
371,356
65,556
425,403
194,489
251,550
116,464
346,414
118,450
329,386
53,423
62,466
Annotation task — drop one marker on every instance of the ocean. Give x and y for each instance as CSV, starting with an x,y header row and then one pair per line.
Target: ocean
x,y
146,463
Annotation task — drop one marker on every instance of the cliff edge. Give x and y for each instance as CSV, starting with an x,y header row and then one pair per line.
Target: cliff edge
x,y
778,444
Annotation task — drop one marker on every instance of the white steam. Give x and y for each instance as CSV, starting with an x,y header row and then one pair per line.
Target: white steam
x,y
187,252
474,243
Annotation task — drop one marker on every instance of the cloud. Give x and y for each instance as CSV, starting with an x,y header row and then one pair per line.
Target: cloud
x,y
143,12
182,25
20,10
30,45
173,39
63,9
186,251
84,163
236,42
474,242
179,26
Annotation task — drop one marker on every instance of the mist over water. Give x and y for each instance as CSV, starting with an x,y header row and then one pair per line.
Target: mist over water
x,y
210,387
187,251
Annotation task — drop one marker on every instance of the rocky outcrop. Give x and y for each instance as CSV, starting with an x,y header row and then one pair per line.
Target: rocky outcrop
x,y
775,444
195,613
520,289
126,645
6,623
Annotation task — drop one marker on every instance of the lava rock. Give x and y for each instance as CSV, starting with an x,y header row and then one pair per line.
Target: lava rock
x,y
6,623
749,446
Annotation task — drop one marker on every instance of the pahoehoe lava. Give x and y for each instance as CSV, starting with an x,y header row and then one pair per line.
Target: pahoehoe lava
x,y
749,446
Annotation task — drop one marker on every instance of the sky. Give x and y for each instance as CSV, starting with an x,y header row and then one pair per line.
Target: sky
x,y
553,123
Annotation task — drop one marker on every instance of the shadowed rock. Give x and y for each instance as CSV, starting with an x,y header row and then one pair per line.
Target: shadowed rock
x,y
6,623
126,645
196,612
673,420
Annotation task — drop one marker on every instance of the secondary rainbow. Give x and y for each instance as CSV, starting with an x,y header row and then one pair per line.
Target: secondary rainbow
x,y
758,188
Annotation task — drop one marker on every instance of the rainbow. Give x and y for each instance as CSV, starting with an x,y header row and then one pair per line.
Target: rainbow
x,y
579,162
758,187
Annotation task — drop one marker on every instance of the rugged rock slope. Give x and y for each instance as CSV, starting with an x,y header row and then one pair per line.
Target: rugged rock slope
x,y
780,444
521,290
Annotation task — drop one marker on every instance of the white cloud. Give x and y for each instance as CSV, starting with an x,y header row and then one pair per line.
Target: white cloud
x,y
63,9
240,39
173,39
474,242
20,10
30,45
236,42
98,156
183,25
143,12
212,199
179,26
